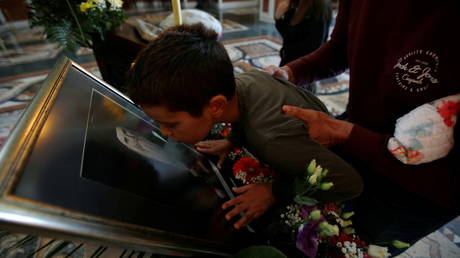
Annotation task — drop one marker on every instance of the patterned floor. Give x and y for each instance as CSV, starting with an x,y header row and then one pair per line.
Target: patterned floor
x,y
25,60
155,18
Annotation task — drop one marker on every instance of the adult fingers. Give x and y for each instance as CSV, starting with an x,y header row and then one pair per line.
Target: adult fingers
x,y
205,150
221,160
300,113
271,69
243,221
277,72
206,147
235,211
203,144
232,202
242,189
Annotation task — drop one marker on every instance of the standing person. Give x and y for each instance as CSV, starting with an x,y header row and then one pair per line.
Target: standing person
x,y
400,55
184,80
304,26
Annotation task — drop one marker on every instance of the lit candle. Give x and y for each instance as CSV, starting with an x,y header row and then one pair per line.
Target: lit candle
x,y
176,11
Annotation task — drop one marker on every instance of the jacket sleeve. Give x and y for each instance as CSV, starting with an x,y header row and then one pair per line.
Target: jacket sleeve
x,y
328,60
291,152
437,180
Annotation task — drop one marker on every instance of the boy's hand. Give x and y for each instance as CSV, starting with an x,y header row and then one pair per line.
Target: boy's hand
x,y
321,127
253,201
220,148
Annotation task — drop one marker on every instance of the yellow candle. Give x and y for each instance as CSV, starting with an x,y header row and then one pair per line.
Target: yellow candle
x,y
176,11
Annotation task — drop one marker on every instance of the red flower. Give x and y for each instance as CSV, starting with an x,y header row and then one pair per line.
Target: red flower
x,y
447,110
237,150
342,237
249,165
225,132
250,170
329,207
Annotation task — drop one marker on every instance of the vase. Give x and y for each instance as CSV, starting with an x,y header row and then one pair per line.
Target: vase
x,y
114,55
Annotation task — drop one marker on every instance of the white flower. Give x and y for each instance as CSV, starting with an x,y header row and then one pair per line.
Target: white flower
x,y
347,215
292,216
335,230
326,229
399,244
99,3
242,176
311,167
318,170
325,172
314,215
312,179
345,223
115,4
326,186
376,251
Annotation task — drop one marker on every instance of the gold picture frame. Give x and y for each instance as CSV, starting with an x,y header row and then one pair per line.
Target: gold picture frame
x,y
64,174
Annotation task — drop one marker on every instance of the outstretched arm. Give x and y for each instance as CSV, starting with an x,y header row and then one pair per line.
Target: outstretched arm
x,y
328,60
321,127
370,149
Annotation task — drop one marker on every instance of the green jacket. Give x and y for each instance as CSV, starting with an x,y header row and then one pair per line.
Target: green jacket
x,y
282,141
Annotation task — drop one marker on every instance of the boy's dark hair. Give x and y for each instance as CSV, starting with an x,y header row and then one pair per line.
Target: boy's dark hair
x,y
182,69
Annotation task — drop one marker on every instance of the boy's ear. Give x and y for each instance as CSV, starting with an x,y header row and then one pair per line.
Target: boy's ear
x,y
217,105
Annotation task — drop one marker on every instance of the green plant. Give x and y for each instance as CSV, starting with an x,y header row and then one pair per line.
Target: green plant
x,y
75,23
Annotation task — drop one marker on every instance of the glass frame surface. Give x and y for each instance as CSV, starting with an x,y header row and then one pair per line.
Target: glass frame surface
x,y
23,208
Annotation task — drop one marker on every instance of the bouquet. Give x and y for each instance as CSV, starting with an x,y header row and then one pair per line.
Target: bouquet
x,y
318,230
75,23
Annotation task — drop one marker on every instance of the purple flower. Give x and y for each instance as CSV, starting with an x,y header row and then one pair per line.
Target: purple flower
x,y
307,235
305,210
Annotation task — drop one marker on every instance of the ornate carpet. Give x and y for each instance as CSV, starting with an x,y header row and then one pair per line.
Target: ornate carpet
x,y
248,53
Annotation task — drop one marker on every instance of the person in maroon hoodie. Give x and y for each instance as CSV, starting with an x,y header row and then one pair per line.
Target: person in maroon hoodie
x,y
400,54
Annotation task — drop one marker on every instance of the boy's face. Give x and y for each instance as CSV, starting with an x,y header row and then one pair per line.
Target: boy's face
x,y
180,126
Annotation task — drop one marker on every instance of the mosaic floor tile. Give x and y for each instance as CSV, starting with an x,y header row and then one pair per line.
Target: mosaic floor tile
x,y
28,54
232,26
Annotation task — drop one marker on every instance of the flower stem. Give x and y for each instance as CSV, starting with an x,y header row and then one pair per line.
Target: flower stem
x,y
76,20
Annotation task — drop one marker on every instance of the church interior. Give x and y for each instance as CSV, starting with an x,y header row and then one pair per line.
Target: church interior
x,y
47,214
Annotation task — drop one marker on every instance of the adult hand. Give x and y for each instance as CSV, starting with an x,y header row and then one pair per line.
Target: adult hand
x,y
253,201
220,148
283,72
281,8
321,127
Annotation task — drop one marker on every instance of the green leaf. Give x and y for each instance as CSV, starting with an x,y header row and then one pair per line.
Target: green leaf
x,y
260,251
305,200
67,26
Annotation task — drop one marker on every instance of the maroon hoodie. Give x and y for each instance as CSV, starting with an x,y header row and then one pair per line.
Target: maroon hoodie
x,y
401,54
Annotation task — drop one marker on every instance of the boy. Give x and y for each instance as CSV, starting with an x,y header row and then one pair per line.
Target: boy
x,y
184,80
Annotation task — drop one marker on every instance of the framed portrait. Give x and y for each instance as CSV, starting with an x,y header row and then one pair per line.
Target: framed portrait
x,y
85,163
